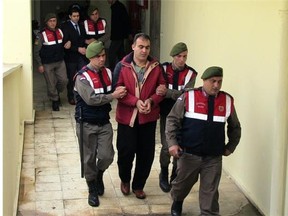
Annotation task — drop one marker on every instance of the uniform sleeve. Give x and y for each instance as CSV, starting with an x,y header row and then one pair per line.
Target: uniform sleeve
x,y
87,93
174,94
233,131
37,47
174,121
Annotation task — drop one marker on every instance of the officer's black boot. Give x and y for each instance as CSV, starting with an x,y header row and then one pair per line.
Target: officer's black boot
x,y
173,174
93,199
163,180
55,105
100,183
176,208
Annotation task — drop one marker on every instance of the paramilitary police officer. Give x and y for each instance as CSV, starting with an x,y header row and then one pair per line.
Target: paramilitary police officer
x,y
201,115
179,77
93,93
96,27
49,55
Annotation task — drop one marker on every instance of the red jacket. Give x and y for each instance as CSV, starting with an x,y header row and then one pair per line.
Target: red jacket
x,y
125,75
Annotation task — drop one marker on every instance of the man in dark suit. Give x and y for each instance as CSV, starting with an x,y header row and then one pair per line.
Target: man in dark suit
x,y
75,50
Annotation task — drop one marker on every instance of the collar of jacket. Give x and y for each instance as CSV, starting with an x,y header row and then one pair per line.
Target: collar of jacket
x,y
128,60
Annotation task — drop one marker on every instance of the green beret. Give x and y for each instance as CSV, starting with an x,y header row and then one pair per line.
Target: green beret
x,y
212,72
178,48
49,16
91,9
94,49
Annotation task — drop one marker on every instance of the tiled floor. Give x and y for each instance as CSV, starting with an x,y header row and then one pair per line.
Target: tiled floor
x,y
51,182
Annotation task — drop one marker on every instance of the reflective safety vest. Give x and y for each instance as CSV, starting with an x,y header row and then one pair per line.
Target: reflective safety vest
x,y
95,29
52,37
205,137
184,76
101,82
197,106
52,46
176,80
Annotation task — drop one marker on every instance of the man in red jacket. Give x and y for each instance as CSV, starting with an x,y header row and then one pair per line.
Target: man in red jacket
x,y
137,114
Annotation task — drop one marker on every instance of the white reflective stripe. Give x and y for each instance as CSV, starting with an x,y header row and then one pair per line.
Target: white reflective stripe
x,y
61,32
191,112
44,37
109,73
87,30
219,118
188,77
46,42
191,96
104,25
99,90
228,106
170,86
89,79
180,87
196,116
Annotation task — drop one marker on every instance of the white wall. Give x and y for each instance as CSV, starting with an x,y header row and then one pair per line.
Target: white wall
x,y
17,47
249,40
17,94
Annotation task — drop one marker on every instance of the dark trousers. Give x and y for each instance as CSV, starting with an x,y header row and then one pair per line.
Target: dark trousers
x,y
140,141
116,53
72,68
189,168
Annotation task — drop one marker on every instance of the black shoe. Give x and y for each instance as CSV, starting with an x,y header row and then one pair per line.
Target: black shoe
x,y
176,208
163,180
100,183
93,199
55,106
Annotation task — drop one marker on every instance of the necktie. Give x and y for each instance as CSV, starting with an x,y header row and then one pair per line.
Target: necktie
x,y
210,108
77,29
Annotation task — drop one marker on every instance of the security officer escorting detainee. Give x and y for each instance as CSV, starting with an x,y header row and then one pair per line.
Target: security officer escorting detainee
x,y
93,93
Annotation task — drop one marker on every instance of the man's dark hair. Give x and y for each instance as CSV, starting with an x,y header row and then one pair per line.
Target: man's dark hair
x,y
73,10
141,35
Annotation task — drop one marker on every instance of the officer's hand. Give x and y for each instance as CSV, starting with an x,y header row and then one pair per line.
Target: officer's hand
x,y
67,45
175,151
119,92
227,152
41,69
161,90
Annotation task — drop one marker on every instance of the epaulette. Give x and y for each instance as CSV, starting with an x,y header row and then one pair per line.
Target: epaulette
x,y
80,72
